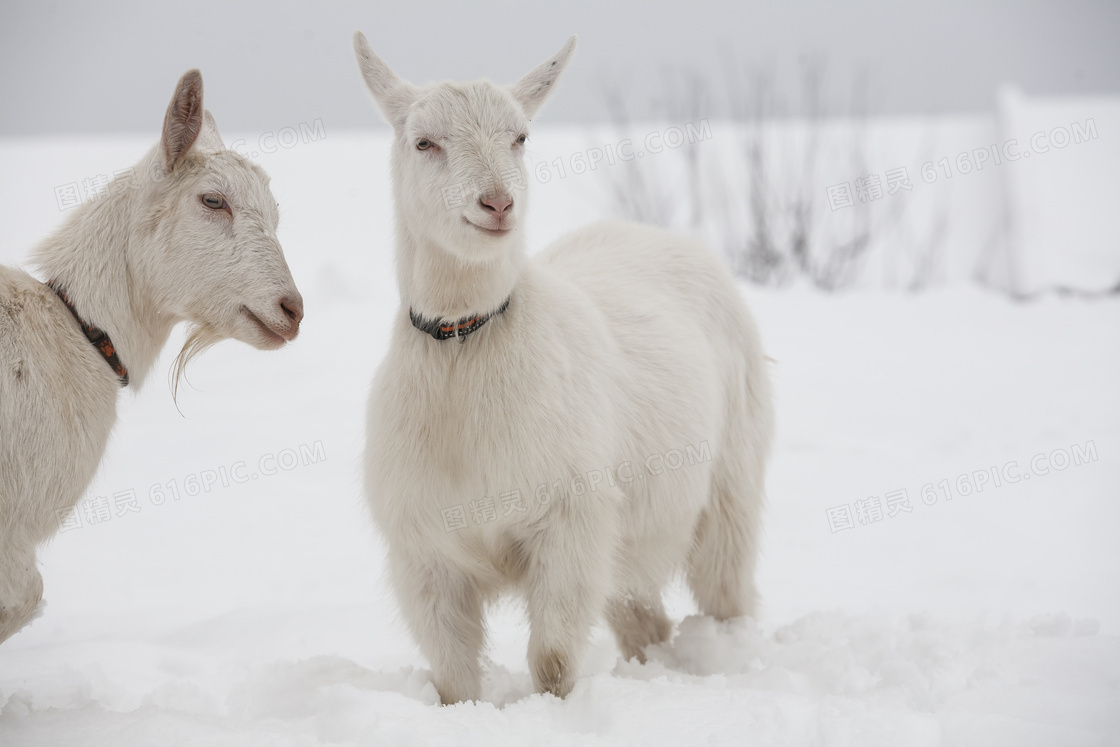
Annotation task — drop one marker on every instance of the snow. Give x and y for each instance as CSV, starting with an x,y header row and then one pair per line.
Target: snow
x,y
256,612
1061,212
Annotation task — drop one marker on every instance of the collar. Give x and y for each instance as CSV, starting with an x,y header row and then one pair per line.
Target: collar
x,y
95,335
441,330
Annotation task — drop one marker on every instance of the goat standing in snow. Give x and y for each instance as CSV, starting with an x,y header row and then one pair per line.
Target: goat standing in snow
x,y
190,236
513,385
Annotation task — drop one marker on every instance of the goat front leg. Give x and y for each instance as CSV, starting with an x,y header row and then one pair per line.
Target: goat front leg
x,y
21,588
569,567
443,608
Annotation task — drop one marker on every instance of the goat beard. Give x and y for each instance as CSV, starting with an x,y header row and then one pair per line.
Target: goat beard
x,y
200,338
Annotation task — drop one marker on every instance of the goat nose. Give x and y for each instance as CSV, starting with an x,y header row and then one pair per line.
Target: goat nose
x,y
292,306
499,204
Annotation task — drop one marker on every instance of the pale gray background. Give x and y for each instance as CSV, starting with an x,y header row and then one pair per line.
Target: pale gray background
x,y
77,67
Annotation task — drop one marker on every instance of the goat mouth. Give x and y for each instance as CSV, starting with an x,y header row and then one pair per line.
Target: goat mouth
x,y
271,334
489,231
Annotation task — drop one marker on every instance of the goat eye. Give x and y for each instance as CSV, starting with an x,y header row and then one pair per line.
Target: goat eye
x,y
423,144
214,201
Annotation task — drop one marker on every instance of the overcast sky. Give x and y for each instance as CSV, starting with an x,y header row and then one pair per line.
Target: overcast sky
x,y
82,67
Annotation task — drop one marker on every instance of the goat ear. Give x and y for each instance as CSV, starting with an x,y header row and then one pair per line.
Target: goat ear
x,y
393,95
532,90
210,138
183,122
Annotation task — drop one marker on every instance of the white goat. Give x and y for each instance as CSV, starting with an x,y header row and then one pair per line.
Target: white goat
x,y
190,236
603,420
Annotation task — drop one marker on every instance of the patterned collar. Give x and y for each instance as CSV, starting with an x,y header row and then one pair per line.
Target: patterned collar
x,y
95,335
441,330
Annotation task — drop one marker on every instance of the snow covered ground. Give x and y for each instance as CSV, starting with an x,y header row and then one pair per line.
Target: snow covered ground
x,y
239,598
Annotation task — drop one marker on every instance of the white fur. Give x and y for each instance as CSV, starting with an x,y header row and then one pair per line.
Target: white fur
x,y
621,342
134,262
